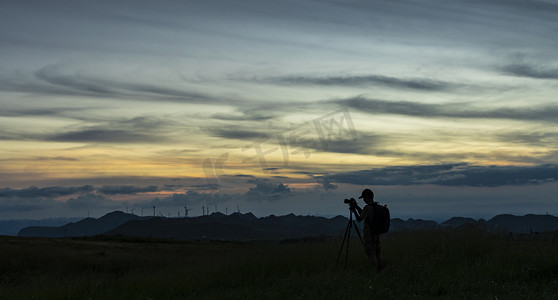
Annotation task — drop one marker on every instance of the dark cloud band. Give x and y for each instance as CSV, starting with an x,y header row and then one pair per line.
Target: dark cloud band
x,y
451,175
60,191
363,81
449,110
526,70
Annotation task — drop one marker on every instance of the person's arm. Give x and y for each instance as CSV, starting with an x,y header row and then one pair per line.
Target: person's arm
x,y
357,211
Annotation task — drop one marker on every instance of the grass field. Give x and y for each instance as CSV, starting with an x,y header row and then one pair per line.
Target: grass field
x,y
436,264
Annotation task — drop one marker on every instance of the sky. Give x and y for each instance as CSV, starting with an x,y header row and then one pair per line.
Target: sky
x,y
442,108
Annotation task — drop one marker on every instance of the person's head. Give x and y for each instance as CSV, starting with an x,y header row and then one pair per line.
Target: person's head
x,y
367,196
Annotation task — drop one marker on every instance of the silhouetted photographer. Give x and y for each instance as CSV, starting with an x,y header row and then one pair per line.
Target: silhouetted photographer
x,y
376,221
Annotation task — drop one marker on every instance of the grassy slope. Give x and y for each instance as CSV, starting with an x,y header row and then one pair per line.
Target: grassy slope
x,y
424,264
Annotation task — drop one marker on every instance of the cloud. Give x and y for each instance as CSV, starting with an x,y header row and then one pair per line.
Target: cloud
x,y
49,158
534,138
537,6
364,143
133,130
532,71
73,83
246,116
303,137
143,129
35,199
281,189
104,136
206,187
93,201
60,191
126,189
48,112
325,183
190,198
449,110
26,204
236,133
364,81
266,189
69,80
46,192
451,175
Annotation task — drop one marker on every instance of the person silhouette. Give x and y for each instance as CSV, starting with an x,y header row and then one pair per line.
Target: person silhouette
x,y
371,240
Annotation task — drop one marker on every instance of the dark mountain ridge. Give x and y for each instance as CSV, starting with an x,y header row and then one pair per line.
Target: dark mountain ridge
x,y
233,227
237,226
524,224
84,227
12,227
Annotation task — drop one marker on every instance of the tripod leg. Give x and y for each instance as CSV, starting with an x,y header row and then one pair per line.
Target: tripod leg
x,y
358,232
347,232
348,240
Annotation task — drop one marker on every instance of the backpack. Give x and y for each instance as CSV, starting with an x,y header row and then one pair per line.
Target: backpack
x,y
380,223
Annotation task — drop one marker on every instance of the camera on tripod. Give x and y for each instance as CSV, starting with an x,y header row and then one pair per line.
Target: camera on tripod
x,y
351,202
354,209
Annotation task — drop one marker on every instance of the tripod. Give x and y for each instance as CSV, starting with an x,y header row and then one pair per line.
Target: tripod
x,y
347,237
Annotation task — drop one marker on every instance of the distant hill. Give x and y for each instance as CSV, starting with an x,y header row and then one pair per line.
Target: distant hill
x,y
85,227
237,226
411,224
458,222
12,227
524,224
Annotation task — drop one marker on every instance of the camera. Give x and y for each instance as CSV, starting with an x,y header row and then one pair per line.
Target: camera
x,y
352,202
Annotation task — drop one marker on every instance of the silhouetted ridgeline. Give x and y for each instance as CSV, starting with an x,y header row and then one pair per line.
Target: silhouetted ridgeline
x,y
237,226
85,227
234,227
12,227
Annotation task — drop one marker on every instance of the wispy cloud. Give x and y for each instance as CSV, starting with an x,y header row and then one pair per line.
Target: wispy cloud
x,y
451,175
364,81
245,116
236,133
61,80
134,130
532,71
126,189
59,191
450,110
46,112
81,197
104,136
53,191
534,138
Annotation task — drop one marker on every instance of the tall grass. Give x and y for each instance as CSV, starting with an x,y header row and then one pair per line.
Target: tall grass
x,y
432,264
